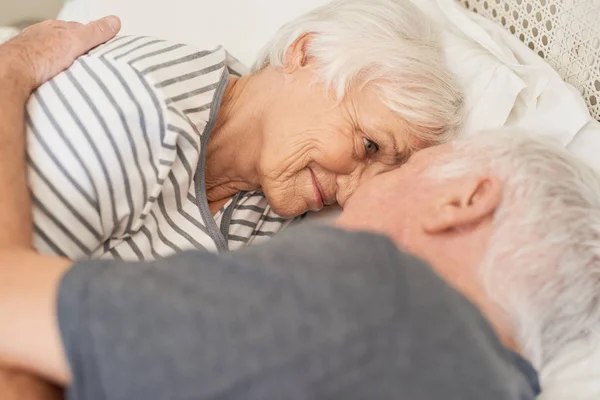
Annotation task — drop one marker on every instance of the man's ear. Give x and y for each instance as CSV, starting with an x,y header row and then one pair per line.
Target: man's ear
x,y
297,54
467,202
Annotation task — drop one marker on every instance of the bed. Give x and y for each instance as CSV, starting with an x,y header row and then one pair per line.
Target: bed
x,y
531,63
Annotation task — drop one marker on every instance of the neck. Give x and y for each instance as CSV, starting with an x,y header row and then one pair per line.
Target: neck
x,y
235,141
494,315
461,269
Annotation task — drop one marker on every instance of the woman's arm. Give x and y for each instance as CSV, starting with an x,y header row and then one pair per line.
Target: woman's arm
x,y
27,61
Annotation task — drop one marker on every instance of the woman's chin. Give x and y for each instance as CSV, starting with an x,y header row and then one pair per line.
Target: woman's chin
x,y
315,205
286,211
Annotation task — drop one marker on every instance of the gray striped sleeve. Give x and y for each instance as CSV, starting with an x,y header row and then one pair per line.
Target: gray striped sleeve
x,y
67,203
180,209
41,235
156,53
109,132
183,133
161,235
139,156
82,126
105,51
190,75
66,140
40,137
171,63
111,43
193,93
142,122
64,229
136,48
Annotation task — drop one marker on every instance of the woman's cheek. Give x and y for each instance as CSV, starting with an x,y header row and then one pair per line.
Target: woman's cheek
x,y
338,155
281,163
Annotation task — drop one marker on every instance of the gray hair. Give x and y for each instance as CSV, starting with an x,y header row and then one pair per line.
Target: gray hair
x,y
389,44
543,262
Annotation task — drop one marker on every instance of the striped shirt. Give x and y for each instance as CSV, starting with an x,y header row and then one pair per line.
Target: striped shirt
x,y
116,156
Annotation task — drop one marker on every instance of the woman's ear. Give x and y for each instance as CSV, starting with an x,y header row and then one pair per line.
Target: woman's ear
x,y
468,201
297,54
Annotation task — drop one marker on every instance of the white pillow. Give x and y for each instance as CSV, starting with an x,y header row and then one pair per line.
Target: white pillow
x,y
574,375
564,32
7,33
506,83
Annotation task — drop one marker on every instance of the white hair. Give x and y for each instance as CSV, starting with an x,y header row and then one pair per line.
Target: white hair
x,y
543,261
389,44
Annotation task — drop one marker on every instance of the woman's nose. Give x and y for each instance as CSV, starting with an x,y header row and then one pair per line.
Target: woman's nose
x,y
347,184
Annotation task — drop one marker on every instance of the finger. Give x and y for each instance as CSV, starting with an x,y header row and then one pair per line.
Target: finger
x,y
74,24
100,31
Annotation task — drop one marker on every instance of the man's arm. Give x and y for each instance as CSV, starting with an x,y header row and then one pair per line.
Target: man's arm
x,y
187,316
15,207
16,385
314,313
29,338
26,62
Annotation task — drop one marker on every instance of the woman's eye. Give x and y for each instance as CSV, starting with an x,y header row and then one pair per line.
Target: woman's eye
x,y
370,146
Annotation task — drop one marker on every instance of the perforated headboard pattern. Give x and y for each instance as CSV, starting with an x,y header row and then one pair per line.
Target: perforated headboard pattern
x,y
564,32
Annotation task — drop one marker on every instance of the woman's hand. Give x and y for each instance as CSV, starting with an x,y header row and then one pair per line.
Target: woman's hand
x,y
44,50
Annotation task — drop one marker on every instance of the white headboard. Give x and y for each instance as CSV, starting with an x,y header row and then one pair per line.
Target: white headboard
x,y
564,32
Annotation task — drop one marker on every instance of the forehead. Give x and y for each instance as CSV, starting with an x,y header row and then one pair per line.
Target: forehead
x,y
432,154
374,114
421,160
376,118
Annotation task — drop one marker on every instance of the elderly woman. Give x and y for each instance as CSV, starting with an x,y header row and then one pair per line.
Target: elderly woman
x,y
143,148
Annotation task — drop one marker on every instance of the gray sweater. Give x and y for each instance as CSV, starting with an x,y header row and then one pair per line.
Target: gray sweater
x,y
316,313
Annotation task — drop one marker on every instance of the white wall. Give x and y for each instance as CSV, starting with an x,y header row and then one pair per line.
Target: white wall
x,y
242,26
15,11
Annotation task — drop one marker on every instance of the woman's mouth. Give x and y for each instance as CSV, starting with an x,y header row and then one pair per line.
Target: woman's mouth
x,y
319,196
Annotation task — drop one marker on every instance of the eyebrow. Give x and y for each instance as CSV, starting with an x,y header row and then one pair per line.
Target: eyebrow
x,y
403,156
400,156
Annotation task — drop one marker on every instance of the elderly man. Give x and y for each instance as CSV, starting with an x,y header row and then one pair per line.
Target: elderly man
x,y
506,222
507,228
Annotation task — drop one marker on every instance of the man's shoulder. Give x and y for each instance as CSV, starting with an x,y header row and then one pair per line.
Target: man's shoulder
x,y
324,311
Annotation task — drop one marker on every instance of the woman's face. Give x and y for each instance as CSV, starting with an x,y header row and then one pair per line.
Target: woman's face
x,y
316,150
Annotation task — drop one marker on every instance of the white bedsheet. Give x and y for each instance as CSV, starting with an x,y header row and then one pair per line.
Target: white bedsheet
x,y
6,33
506,84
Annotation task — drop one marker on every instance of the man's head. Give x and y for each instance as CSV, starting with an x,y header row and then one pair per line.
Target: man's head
x,y
511,220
